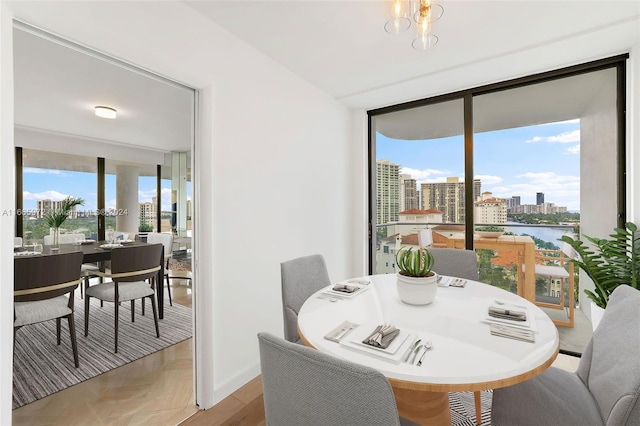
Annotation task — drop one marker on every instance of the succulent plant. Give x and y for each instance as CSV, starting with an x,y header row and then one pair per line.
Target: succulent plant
x,y
414,262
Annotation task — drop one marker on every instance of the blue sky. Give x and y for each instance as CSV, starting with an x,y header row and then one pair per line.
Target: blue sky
x,y
40,184
521,161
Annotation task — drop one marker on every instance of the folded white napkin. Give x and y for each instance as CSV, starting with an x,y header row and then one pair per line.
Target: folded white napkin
x,y
382,336
507,312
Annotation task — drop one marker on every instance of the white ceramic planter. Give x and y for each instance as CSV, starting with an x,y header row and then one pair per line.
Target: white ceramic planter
x,y
596,315
417,291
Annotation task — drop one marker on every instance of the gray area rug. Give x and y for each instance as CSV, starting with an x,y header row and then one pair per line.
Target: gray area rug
x,y
463,409
40,367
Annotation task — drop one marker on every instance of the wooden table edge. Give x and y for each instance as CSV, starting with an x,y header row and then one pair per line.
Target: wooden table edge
x,y
463,387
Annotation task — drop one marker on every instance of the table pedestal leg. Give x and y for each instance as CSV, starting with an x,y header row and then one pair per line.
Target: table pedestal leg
x,y
422,407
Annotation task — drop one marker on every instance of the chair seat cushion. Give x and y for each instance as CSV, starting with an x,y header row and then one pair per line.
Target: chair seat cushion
x,y
126,291
41,310
550,271
88,267
555,397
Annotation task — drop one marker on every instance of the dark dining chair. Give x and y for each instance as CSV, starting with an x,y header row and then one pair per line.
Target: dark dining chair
x,y
301,277
605,389
133,276
43,289
302,386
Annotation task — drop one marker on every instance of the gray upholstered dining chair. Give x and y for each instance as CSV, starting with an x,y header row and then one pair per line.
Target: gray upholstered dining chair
x,y
605,389
461,264
302,386
301,277
455,262
166,239
133,275
44,290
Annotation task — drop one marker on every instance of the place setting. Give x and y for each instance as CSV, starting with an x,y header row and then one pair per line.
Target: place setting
x,y
383,340
510,321
344,290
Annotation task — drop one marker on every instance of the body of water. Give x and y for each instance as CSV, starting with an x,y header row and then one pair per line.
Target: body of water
x,y
550,235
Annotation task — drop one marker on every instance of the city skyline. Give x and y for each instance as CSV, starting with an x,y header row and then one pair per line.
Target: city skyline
x,y
54,184
551,151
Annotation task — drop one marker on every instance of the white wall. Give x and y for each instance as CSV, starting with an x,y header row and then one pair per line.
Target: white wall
x,y
277,171
598,171
7,221
280,167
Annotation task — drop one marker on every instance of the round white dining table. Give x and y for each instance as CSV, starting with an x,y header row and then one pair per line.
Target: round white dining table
x,y
464,355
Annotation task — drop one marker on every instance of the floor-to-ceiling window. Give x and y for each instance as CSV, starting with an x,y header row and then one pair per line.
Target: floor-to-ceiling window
x,y
535,157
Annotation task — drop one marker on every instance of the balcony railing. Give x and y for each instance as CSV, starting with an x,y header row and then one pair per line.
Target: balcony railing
x,y
503,268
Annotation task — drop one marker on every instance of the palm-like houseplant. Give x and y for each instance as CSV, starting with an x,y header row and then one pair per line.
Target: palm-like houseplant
x,y
609,262
416,282
56,217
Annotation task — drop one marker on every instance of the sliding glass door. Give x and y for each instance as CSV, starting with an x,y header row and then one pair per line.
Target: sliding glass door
x,y
533,159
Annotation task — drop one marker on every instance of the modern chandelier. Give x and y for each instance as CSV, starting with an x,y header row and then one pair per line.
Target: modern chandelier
x,y
423,13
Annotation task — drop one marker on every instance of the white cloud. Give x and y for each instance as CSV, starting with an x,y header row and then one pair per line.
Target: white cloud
x,y
566,137
489,179
574,149
45,195
562,190
425,174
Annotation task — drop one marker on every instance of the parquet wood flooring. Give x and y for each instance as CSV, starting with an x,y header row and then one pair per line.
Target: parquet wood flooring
x,y
154,390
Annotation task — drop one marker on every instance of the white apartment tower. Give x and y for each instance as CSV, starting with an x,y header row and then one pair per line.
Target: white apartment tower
x,y
387,191
490,209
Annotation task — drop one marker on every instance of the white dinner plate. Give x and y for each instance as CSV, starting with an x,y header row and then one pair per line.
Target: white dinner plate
x,y
394,352
110,246
361,288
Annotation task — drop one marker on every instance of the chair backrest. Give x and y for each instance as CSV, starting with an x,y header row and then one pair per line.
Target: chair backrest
x,y
162,238
610,365
301,278
302,386
63,238
135,263
425,237
455,263
17,241
45,277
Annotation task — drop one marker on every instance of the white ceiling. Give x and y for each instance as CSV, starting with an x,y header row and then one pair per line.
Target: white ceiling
x,y
57,88
338,46
342,48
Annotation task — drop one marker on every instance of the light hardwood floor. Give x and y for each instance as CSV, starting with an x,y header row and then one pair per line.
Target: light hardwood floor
x,y
156,390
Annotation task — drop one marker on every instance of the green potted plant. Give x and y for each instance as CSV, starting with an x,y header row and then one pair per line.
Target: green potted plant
x,y
489,231
416,282
609,262
56,217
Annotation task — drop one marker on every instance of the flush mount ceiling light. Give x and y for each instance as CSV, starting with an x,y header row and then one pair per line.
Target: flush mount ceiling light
x,y
403,13
105,112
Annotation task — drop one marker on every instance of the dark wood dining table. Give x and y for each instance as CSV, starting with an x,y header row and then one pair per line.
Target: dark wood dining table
x,y
93,253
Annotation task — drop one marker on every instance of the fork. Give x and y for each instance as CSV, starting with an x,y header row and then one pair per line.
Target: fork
x,y
427,347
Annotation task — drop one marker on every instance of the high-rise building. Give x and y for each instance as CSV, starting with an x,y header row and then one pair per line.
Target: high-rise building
x,y
43,206
448,197
539,198
490,209
387,191
147,212
408,193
